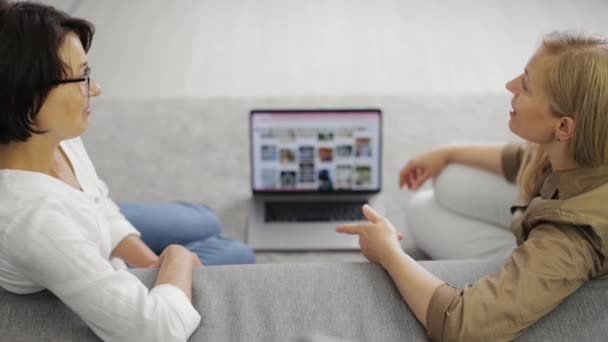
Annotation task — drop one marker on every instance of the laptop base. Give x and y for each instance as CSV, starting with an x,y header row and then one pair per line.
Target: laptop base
x,y
299,236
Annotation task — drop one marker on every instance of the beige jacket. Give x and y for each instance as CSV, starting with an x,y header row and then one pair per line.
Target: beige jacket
x,y
562,236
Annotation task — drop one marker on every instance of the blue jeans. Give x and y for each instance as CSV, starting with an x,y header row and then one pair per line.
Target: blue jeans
x,y
194,226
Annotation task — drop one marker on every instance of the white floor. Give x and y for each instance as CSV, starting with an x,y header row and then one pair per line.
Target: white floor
x,y
276,48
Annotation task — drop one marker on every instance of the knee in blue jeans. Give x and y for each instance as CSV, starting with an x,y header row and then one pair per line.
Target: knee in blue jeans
x,y
244,254
237,252
201,214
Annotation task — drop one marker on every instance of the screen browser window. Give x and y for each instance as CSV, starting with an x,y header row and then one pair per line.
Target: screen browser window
x,y
316,151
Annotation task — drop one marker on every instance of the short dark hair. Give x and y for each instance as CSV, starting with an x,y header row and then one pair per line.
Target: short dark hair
x,y
30,37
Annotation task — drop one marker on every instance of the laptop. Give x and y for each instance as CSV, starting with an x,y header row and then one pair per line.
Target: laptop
x,y
310,171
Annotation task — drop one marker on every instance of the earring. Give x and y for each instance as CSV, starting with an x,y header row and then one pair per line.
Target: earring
x,y
557,137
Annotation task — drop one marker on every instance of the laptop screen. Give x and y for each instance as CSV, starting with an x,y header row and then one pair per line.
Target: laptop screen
x,y
316,151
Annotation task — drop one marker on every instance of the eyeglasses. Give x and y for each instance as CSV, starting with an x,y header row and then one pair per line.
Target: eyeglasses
x,y
86,78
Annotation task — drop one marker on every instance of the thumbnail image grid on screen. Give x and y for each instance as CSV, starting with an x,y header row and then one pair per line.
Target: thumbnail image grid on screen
x,y
320,152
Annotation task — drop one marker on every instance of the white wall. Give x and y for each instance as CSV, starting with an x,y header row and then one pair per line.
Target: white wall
x,y
200,48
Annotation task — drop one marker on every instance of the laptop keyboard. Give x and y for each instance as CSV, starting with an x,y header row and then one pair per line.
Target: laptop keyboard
x,y
313,211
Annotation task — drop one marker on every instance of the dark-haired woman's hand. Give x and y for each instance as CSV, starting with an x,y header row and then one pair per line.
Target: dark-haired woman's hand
x,y
196,261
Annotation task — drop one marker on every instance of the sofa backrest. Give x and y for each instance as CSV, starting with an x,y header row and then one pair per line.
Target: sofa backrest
x,y
281,302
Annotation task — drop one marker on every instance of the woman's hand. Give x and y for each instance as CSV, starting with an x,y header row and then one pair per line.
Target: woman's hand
x,y
378,238
176,264
379,242
196,261
418,170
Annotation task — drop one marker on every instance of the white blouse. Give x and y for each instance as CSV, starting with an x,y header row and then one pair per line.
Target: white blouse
x,y
55,237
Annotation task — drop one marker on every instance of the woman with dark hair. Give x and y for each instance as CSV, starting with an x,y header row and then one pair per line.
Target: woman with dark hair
x,y
59,230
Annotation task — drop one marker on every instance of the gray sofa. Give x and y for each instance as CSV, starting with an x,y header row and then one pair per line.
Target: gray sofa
x,y
288,302
196,150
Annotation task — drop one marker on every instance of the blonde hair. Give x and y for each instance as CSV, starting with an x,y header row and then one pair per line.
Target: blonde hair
x,y
577,87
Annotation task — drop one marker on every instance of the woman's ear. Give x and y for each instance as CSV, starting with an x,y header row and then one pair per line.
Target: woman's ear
x,y
565,129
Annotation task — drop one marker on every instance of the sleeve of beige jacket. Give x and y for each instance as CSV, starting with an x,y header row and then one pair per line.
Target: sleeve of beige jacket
x,y
552,264
512,156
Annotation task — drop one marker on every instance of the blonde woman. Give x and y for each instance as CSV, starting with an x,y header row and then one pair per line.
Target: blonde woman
x,y
560,221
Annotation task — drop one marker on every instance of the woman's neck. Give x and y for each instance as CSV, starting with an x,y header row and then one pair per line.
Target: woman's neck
x,y
36,154
559,156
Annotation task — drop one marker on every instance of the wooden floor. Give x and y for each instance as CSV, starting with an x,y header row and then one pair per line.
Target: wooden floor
x,y
202,48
